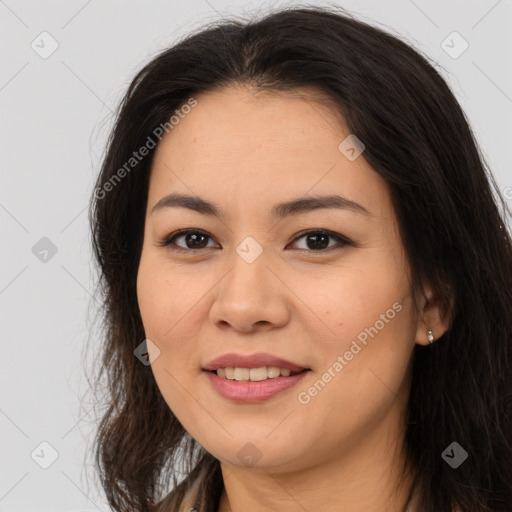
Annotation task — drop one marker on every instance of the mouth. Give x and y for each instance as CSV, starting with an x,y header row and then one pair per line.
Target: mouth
x,y
258,361
253,385
252,378
241,390
255,374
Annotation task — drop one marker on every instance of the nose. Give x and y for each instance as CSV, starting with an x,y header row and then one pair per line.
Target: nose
x,y
251,297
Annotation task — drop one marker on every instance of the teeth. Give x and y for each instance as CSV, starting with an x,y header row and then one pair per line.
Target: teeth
x,y
253,374
241,373
273,372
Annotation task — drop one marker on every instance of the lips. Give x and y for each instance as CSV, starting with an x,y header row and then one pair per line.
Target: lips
x,y
253,361
248,392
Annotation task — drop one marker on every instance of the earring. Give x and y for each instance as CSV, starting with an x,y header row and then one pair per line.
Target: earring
x,y
430,336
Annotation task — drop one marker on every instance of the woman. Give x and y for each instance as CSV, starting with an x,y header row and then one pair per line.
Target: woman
x,y
307,280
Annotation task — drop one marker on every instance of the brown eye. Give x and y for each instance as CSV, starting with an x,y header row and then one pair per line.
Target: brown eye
x,y
192,239
319,240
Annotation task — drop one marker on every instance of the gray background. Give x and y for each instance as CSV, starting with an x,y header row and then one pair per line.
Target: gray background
x,y
56,113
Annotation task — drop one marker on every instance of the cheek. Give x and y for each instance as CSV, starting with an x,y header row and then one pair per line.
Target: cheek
x,y
150,294
173,307
357,296
164,296
370,315
164,304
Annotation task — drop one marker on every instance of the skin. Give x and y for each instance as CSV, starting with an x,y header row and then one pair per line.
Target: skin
x,y
245,151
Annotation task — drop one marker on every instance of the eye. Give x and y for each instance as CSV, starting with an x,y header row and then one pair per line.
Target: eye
x,y
195,237
318,239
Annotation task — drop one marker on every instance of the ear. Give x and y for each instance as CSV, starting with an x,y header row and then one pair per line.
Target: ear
x,y
432,317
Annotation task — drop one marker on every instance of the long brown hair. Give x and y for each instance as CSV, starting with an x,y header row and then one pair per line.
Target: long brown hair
x,y
452,222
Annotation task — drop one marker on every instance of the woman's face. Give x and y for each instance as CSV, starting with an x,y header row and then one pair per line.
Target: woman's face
x,y
252,282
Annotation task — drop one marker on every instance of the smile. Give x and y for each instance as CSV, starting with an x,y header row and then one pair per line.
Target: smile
x,y
253,385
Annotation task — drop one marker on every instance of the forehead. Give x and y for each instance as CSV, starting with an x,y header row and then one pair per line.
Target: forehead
x,y
237,142
241,118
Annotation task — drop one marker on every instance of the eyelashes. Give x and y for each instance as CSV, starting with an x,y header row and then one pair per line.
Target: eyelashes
x,y
198,237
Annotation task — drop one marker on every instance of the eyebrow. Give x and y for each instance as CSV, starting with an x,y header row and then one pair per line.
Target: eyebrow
x,y
280,210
